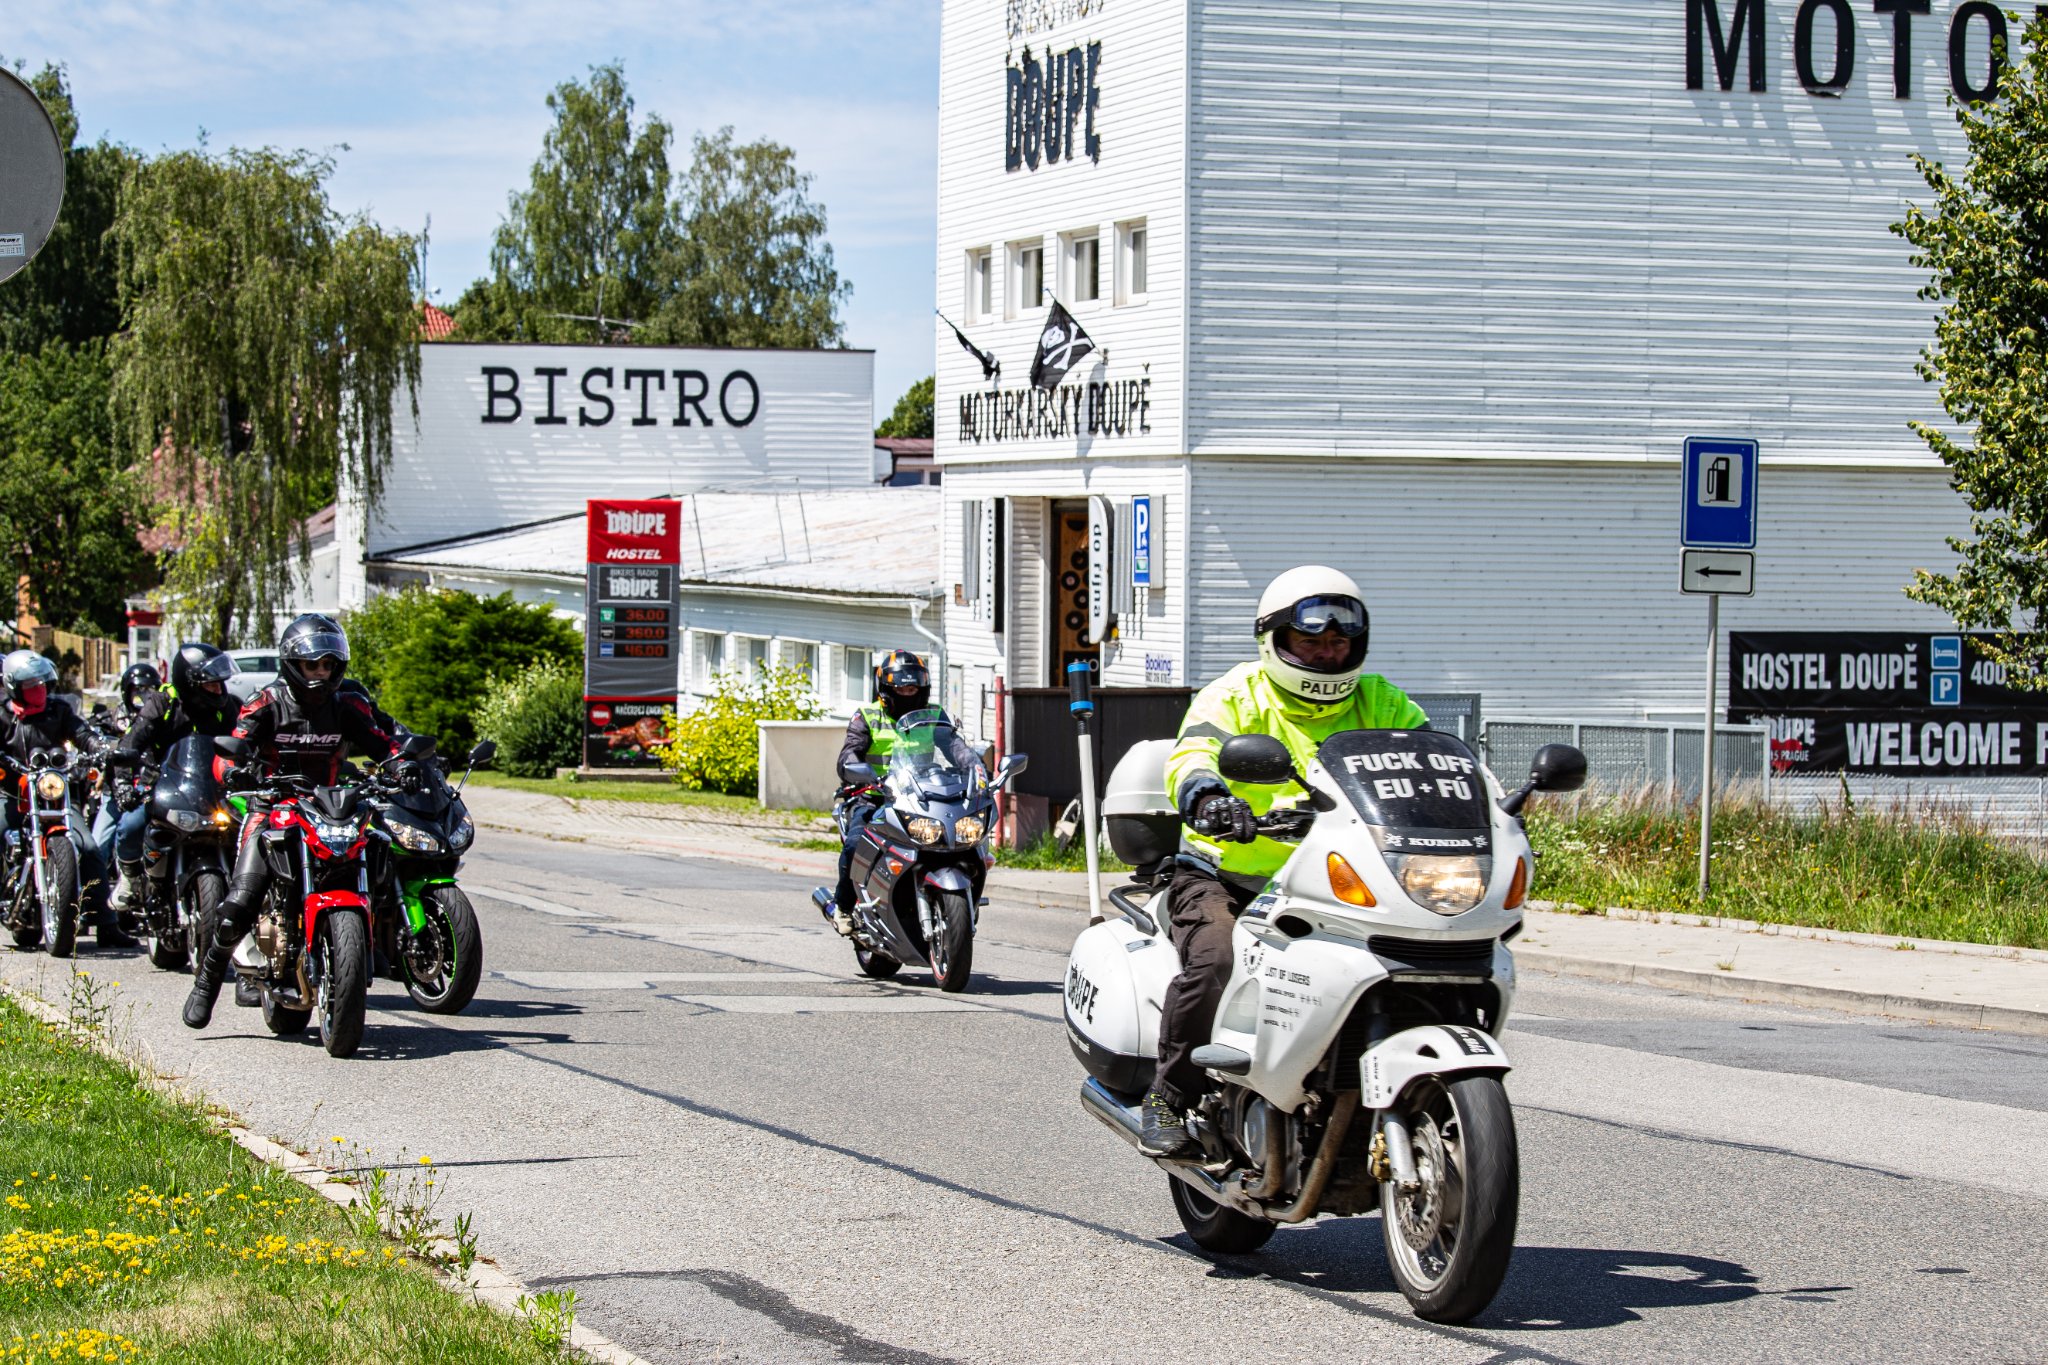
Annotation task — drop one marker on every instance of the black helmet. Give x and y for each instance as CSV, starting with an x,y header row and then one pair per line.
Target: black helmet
x,y
902,683
138,678
195,665
311,637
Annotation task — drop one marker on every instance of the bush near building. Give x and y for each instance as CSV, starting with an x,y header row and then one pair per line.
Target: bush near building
x,y
717,747
535,716
428,655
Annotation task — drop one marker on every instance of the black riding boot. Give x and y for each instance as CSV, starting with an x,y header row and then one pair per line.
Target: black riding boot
x,y
237,914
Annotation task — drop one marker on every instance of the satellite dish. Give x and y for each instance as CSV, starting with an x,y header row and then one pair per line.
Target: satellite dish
x,y
31,174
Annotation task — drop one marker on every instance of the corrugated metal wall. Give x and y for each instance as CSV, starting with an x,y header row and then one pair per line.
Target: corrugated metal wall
x,y
1552,589
1507,228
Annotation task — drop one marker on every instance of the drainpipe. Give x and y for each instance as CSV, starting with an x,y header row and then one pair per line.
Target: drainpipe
x,y
938,647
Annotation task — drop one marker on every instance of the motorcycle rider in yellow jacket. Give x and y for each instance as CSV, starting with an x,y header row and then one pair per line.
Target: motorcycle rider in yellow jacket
x,y
1308,683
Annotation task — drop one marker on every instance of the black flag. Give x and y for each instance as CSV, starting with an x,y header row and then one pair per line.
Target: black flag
x,y
1061,346
990,366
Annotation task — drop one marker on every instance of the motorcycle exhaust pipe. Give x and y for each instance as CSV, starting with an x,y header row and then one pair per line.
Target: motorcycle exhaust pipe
x,y
822,898
1125,1123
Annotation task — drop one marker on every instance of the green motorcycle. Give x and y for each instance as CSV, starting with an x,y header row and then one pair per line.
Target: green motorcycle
x,y
427,934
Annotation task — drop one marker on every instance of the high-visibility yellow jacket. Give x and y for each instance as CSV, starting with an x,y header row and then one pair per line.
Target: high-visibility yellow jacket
x,y
1244,701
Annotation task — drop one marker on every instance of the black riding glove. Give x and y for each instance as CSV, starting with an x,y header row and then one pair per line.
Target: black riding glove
x,y
1227,817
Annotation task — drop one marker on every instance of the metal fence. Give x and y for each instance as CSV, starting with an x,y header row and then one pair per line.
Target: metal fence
x,y
1633,755
1454,712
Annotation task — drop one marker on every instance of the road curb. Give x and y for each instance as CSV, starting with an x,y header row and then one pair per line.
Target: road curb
x,y
485,1281
1729,985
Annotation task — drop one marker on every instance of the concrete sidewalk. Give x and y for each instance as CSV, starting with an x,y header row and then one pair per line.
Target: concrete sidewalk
x,y
1966,984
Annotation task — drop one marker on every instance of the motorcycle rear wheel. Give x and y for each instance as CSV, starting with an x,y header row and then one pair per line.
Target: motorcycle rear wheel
x,y
1216,1227
1448,1243
875,964
458,957
60,899
283,1020
344,948
952,948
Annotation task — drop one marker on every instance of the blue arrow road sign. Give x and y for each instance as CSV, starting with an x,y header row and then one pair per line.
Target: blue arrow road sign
x,y
1719,494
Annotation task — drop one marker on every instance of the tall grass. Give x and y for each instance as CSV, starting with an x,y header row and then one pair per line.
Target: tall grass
x,y
1920,871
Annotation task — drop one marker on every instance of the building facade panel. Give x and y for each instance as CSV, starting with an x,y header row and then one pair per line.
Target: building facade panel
x,y
1552,589
1511,229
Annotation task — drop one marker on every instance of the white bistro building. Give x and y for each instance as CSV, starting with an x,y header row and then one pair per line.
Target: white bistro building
x,y
1435,293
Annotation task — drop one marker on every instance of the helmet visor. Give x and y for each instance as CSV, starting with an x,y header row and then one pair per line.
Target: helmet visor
x,y
317,644
214,668
1314,615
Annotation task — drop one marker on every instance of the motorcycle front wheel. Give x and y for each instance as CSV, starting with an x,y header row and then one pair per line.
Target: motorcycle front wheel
x,y
60,899
1448,1241
445,960
344,948
951,949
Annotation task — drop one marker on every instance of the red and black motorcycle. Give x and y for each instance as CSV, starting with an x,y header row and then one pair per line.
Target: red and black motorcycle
x,y
309,953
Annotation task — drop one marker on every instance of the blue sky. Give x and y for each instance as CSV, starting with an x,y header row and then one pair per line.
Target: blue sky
x,y
441,106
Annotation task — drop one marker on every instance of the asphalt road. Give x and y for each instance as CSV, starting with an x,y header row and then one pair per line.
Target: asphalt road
x,y
675,1096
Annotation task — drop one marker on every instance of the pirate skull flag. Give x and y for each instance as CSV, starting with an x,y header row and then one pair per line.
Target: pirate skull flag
x,y
1061,346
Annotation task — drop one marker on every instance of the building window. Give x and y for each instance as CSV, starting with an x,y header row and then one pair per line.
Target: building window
x,y
802,656
751,658
1027,276
707,660
1130,262
1083,253
980,285
855,664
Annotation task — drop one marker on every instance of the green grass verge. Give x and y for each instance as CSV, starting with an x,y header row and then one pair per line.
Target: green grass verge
x,y
1044,855
131,1230
1924,873
656,793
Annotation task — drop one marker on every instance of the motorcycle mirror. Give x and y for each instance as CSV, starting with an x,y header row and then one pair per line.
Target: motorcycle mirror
x,y
482,753
99,708
1259,759
416,746
1558,768
860,774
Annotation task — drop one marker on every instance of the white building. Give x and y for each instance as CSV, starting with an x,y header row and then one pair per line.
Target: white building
x,y
1434,293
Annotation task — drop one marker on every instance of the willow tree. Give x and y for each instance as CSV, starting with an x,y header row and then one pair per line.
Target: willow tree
x,y
1985,242
267,342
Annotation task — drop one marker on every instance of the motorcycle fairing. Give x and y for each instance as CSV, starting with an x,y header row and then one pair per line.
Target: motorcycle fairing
x,y
320,902
1389,1067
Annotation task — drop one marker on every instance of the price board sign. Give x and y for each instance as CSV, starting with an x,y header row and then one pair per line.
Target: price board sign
x,y
632,618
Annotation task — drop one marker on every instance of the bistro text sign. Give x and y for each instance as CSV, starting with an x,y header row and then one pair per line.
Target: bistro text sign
x,y
640,397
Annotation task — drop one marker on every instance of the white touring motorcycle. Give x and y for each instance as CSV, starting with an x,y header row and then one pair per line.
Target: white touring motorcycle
x,y
1356,1057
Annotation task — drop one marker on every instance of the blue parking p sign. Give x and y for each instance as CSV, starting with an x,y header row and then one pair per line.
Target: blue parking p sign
x,y
1141,542
1719,494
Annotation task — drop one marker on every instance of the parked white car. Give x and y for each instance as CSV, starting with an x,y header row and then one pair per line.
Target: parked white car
x,y
255,669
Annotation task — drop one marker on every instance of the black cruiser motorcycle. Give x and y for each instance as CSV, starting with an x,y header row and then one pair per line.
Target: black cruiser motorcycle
x,y
42,854
919,865
187,848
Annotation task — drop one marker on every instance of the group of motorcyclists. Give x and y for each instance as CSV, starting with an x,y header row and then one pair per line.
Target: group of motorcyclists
x,y
305,723
1307,683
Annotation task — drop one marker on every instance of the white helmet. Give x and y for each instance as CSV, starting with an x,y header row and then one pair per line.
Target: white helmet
x,y
1313,599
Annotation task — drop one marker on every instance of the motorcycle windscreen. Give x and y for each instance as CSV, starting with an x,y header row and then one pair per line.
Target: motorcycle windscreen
x,y
1421,790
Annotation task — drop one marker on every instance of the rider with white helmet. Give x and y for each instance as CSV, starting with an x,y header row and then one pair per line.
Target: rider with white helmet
x,y
1309,683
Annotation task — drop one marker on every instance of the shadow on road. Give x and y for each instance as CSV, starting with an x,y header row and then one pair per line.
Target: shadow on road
x,y
413,1044
518,1009
1548,1289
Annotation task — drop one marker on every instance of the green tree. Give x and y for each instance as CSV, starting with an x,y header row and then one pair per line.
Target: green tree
x,y
269,340
68,512
752,267
913,415
582,245
70,292
429,656
1985,242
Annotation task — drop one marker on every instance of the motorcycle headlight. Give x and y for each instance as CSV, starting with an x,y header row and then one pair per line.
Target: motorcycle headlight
x,y
460,837
924,829
187,820
335,836
50,786
1446,885
967,830
414,838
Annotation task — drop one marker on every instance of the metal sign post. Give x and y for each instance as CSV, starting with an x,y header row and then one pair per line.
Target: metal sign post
x,y
1717,533
1081,702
